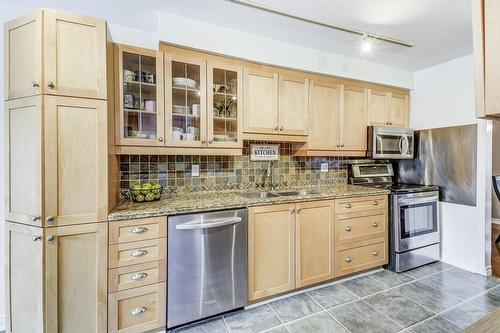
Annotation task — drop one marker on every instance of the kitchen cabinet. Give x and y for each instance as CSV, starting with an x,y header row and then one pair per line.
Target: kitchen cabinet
x,y
353,117
139,96
387,109
57,53
293,110
271,250
314,234
486,28
56,277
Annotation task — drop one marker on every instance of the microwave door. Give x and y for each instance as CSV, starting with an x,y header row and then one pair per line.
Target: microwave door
x,y
388,145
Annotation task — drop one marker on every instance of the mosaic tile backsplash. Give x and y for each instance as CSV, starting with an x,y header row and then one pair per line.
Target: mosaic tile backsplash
x,y
220,173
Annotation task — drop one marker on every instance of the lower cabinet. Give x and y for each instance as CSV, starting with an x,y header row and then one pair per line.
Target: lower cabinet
x,y
56,277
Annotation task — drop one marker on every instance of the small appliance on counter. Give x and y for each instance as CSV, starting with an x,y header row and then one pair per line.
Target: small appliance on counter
x,y
413,215
390,143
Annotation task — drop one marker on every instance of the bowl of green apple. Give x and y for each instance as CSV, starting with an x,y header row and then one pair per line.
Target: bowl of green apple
x,y
145,192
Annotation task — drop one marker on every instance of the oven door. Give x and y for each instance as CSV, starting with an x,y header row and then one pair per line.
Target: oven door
x,y
415,220
392,145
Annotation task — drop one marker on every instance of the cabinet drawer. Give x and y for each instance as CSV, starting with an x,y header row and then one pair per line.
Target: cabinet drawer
x,y
360,204
360,228
136,276
137,230
137,252
137,310
360,256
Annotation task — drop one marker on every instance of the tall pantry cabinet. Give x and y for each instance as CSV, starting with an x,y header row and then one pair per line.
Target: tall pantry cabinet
x,y
58,123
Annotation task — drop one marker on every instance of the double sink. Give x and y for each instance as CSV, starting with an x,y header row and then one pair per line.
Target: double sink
x,y
263,195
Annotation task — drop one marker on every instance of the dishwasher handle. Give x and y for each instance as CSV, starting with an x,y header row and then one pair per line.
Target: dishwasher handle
x,y
214,224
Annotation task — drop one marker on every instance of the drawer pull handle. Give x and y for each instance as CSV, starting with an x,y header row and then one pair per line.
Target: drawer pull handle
x,y
374,224
139,276
375,203
139,230
348,206
348,259
138,253
348,228
375,253
138,311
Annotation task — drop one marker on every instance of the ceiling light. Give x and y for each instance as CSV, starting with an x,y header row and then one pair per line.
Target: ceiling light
x,y
366,44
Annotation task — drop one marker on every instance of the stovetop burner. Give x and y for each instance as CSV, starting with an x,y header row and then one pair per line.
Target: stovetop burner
x,y
403,188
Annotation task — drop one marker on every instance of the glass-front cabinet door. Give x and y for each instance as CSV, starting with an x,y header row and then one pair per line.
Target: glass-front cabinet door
x,y
140,96
185,102
224,105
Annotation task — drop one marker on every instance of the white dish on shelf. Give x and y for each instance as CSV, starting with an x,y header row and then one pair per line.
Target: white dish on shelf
x,y
184,82
180,109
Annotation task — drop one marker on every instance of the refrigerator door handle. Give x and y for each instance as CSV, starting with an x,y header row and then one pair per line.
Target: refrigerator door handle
x,y
214,224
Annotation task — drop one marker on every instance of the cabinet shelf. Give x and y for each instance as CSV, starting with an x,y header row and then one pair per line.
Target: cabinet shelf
x,y
185,89
140,82
139,111
184,115
225,119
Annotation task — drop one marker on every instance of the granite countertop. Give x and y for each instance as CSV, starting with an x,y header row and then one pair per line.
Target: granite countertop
x,y
173,204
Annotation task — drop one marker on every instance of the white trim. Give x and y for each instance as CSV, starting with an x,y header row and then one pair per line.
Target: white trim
x,y
3,323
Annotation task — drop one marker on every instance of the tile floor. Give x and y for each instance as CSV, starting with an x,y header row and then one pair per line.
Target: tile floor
x,y
434,298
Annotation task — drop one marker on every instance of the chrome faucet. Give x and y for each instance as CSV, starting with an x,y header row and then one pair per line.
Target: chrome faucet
x,y
269,176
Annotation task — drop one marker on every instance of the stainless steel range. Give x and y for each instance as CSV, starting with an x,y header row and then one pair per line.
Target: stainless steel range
x,y
414,221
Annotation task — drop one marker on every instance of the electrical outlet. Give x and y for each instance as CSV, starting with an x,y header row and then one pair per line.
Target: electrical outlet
x,y
195,170
324,167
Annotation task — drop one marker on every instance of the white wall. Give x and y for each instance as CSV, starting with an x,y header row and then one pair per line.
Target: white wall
x,y
444,96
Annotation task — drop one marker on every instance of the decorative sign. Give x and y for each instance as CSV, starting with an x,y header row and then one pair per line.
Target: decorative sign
x,y
264,152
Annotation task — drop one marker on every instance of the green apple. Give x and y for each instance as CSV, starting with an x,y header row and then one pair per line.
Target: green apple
x,y
136,189
150,196
157,196
156,189
139,198
146,188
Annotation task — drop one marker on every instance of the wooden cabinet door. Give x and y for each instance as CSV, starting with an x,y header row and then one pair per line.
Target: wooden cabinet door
x,y
378,108
324,115
353,119
314,227
261,102
398,111
74,55
23,56
75,160
76,283
293,116
24,272
271,250
225,105
23,156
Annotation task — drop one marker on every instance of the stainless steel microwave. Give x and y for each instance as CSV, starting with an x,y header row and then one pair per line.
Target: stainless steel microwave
x,y
390,143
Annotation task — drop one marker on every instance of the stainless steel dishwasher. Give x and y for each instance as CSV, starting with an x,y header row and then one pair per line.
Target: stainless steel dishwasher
x,y
207,265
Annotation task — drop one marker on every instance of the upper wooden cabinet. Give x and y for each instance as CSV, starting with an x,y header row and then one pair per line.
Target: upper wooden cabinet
x,y
353,119
293,116
139,96
388,109
486,29
53,52
60,177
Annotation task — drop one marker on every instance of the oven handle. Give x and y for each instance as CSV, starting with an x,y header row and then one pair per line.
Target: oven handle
x,y
411,201
215,224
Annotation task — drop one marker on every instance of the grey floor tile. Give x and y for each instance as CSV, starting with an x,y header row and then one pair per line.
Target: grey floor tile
x,y
295,307
332,295
436,325
489,301
464,315
398,307
485,282
253,320
427,296
318,323
210,326
390,278
452,285
364,286
360,317
421,271
278,329
440,266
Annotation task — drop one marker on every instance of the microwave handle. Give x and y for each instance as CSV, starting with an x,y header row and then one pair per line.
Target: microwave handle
x,y
401,144
407,145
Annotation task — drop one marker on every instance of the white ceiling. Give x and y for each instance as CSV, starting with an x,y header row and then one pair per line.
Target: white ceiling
x,y
440,29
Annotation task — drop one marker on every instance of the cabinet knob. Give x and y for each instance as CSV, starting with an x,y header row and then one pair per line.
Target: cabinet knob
x,y
203,141
138,253
35,218
139,276
138,311
375,203
276,128
348,259
50,238
51,85
160,138
348,228
299,210
348,206
281,128
50,219
35,84
374,224
338,146
36,238
375,253
292,211
139,230
211,141
342,146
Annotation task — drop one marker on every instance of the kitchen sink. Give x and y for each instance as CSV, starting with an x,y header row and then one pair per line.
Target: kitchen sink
x,y
259,195
300,193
